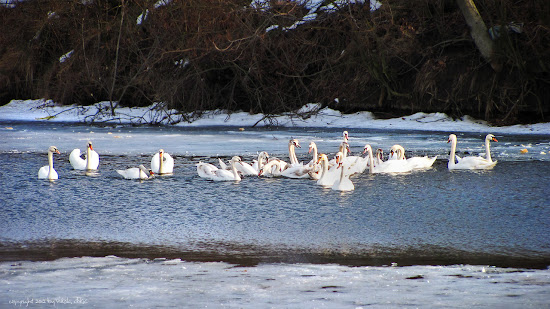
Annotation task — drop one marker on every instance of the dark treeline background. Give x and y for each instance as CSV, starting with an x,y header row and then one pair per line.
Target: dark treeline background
x,y
196,55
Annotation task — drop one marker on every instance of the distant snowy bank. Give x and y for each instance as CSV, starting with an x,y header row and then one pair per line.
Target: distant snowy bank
x,y
310,115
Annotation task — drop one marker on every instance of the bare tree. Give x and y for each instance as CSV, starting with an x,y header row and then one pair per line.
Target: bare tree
x,y
479,33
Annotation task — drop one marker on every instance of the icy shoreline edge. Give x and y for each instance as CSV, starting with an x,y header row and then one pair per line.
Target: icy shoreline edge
x,y
311,116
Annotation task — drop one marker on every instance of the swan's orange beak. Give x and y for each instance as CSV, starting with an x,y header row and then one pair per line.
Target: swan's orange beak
x,y
57,151
310,149
91,148
449,140
495,139
151,173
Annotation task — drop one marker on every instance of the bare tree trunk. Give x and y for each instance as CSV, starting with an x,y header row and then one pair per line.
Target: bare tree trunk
x,y
479,32
116,63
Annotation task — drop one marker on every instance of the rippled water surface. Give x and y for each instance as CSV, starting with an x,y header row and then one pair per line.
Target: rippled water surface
x,y
98,240
497,217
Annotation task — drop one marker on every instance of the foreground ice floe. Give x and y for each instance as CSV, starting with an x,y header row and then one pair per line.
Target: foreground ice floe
x,y
40,110
119,282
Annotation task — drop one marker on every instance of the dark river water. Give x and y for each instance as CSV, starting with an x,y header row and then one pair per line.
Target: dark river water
x,y
499,217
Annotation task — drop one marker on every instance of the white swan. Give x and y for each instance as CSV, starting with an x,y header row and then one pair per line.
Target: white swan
x,y
211,172
263,158
314,155
315,168
342,183
139,172
471,162
398,153
276,167
162,163
248,169
47,171
273,168
91,161
344,149
292,144
389,166
295,169
345,134
379,156
370,161
328,174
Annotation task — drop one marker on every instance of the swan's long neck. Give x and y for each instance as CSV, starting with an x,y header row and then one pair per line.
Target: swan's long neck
x,y
161,163
341,172
261,157
235,173
324,166
314,148
88,158
292,154
50,165
488,150
400,154
370,160
453,150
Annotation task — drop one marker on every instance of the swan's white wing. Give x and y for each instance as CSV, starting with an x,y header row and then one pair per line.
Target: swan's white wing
x,y
44,171
131,173
393,166
168,164
421,162
206,170
246,169
155,163
223,175
76,161
297,171
223,166
343,183
330,177
94,159
473,163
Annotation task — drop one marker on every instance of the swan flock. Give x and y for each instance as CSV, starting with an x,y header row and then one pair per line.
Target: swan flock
x,y
334,173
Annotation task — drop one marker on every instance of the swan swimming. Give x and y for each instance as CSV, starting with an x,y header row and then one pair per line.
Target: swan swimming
x,y
90,162
47,171
328,174
162,163
139,172
245,168
342,183
209,171
471,162
397,152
